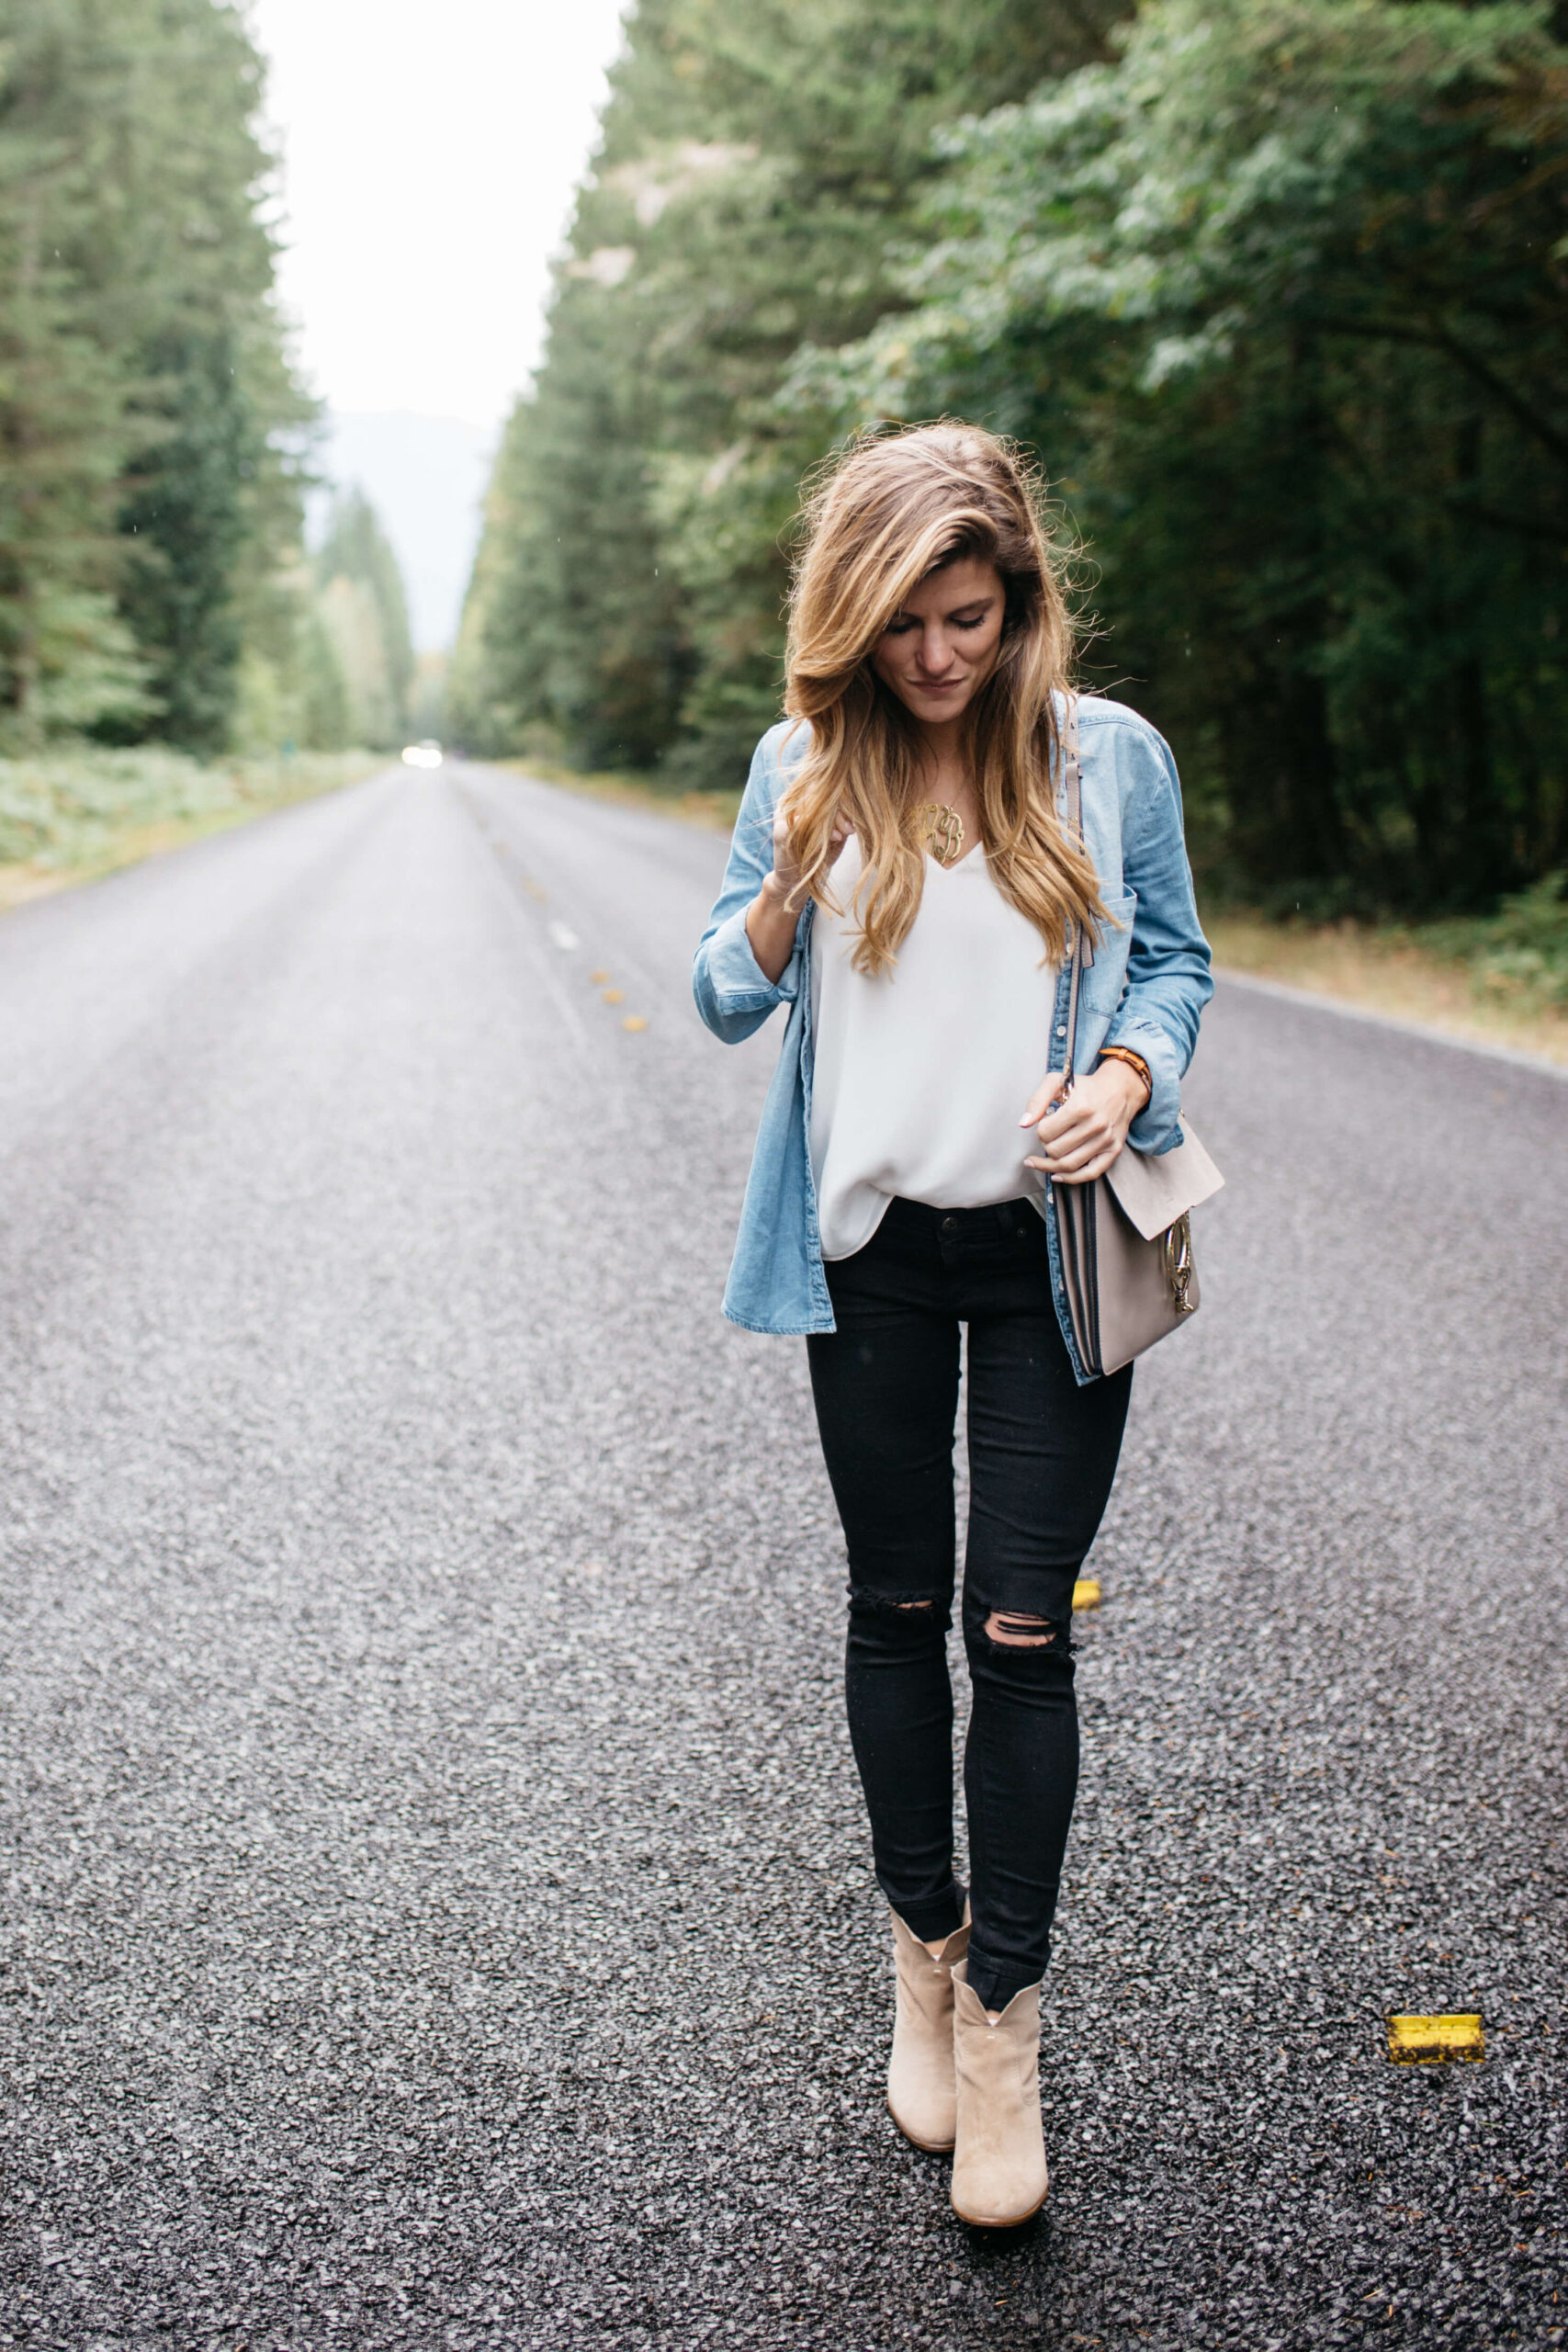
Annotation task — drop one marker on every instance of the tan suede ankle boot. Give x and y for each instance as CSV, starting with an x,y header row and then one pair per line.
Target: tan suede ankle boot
x,y
920,2072
998,2160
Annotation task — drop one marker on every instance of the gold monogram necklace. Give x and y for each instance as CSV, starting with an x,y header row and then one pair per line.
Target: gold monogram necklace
x,y
942,832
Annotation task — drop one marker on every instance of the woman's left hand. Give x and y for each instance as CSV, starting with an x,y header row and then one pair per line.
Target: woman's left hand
x,y
1082,1136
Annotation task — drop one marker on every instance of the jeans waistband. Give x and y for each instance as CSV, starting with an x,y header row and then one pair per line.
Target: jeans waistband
x,y
920,1217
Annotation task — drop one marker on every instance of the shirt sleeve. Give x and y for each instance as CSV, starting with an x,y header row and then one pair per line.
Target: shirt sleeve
x,y
733,994
1169,980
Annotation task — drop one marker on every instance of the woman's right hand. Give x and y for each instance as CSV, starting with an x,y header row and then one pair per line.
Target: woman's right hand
x,y
773,915
787,863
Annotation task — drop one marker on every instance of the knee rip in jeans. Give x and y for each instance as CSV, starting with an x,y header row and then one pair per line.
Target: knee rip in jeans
x,y
1014,1629
867,1603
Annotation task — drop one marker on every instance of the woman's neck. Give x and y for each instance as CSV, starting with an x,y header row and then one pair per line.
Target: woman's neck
x,y
944,773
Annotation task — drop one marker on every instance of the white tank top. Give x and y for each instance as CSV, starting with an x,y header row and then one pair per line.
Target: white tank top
x,y
922,1074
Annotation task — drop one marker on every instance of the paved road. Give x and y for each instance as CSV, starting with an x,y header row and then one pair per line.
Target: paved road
x,y
436,1904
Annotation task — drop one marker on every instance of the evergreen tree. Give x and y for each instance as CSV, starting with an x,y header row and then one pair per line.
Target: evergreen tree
x,y
184,512
362,604
147,482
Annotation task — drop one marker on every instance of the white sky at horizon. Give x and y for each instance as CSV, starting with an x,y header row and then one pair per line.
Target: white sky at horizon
x,y
431,149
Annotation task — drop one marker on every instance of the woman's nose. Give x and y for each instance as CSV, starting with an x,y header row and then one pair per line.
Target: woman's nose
x,y
935,651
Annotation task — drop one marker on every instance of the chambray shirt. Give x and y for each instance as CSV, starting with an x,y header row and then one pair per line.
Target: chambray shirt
x,y
1146,989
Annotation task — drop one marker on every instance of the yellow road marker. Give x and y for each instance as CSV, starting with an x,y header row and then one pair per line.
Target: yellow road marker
x,y
615,996
633,1021
599,979
1428,2042
1085,1593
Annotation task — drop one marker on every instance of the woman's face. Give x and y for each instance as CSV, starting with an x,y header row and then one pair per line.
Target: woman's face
x,y
939,647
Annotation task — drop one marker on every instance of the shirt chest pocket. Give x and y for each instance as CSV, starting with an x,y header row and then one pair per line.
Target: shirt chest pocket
x,y
1107,975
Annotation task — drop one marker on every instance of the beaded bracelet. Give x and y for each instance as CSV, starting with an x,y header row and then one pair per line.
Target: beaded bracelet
x,y
1132,1060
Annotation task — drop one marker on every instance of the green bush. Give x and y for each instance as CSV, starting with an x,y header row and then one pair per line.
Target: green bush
x,y
1519,952
68,808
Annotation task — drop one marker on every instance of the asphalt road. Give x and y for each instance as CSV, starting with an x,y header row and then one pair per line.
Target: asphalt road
x,y
436,1909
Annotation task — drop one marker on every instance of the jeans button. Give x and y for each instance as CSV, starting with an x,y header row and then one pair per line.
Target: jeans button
x,y
950,1224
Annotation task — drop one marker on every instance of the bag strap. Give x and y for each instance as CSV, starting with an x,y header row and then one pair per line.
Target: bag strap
x,y
1083,951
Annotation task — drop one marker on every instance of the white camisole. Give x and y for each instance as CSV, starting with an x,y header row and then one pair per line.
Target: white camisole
x,y
922,1074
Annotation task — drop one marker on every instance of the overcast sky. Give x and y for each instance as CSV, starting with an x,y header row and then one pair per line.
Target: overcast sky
x,y
430,148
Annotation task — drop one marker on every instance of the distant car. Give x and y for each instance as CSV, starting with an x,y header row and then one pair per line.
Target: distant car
x,y
422,755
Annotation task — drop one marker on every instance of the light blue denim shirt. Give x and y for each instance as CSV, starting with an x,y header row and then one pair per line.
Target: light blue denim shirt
x,y
1146,989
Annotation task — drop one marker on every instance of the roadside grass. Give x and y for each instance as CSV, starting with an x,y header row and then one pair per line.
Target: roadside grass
x,y
76,812
1501,979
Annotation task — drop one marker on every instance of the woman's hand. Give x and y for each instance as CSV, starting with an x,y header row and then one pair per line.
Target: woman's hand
x,y
787,863
1082,1136
773,915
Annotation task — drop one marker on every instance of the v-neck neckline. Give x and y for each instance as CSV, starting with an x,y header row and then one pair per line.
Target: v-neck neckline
x,y
969,855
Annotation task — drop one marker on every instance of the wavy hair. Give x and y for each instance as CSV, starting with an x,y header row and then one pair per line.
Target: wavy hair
x,y
894,508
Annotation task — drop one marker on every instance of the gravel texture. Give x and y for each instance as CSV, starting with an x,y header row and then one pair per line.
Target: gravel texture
x,y
436,1909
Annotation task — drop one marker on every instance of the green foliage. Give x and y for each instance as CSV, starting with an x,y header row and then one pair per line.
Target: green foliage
x,y
149,426
1519,955
757,168
1280,294
183,514
327,660
81,808
290,688
364,619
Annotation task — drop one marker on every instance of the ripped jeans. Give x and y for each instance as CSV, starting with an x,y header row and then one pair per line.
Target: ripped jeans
x,y
1043,1454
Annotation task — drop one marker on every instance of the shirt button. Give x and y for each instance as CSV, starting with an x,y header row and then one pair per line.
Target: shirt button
x,y
1061,1028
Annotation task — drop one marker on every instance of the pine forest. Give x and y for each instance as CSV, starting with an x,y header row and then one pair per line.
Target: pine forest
x,y
155,444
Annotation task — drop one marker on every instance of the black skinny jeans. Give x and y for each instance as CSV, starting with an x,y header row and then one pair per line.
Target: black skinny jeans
x,y
1042,1458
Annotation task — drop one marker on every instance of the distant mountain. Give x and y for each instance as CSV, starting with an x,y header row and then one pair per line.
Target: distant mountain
x,y
425,476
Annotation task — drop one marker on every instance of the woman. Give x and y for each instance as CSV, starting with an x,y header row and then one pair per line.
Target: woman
x,y
903,879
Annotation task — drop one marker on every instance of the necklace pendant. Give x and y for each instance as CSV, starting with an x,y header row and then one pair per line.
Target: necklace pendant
x,y
944,830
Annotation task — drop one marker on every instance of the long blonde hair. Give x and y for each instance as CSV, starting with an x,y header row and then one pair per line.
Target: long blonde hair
x,y
896,507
